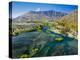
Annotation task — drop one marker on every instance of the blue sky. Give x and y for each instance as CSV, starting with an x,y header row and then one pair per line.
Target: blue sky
x,y
19,8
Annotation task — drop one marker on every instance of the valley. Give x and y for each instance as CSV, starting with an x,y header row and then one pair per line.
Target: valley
x,y
44,33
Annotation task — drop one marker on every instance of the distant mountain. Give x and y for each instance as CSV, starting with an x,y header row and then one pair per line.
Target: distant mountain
x,y
49,13
40,15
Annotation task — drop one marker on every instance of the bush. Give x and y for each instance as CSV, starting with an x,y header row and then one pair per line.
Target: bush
x,y
24,56
59,39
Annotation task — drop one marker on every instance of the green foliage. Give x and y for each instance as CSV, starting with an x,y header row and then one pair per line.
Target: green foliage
x,y
17,29
24,56
59,39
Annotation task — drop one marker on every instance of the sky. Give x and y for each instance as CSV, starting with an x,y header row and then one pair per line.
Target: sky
x,y
19,8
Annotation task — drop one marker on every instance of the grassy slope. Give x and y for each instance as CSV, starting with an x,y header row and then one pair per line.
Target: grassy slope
x,y
68,24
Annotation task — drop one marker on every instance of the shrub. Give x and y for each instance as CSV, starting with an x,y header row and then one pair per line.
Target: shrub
x,y
24,56
59,39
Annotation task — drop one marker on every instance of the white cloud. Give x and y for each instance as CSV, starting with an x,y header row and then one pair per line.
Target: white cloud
x,y
38,9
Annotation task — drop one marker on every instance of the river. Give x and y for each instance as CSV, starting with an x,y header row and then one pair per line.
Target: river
x,y
46,43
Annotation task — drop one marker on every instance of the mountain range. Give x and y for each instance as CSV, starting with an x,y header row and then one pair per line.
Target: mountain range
x,y
39,15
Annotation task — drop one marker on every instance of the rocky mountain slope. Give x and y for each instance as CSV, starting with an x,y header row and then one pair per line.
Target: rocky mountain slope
x,y
39,15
